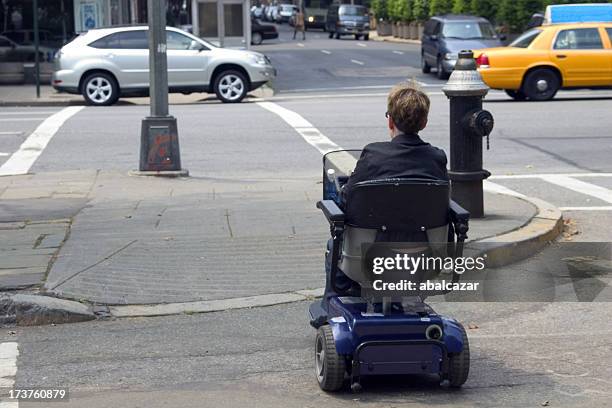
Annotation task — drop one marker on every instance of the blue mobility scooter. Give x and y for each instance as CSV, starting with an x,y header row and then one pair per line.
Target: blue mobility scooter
x,y
362,334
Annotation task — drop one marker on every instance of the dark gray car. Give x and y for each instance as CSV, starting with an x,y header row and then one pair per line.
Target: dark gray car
x,y
444,36
347,19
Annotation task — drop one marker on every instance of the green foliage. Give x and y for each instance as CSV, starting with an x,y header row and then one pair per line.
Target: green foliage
x,y
484,8
407,15
438,7
380,9
461,6
420,10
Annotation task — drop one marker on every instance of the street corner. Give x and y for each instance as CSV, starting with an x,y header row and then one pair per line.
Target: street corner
x,y
36,309
305,203
525,225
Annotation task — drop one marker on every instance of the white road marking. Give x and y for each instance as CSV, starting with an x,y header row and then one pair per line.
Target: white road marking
x,y
21,119
499,189
311,135
2,154
529,176
326,52
594,208
398,52
22,160
8,370
580,186
300,44
357,62
361,44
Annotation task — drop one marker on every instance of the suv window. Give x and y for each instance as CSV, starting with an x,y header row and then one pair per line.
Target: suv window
x,y
609,31
428,29
578,39
4,42
467,30
353,11
525,39
132,40
178,41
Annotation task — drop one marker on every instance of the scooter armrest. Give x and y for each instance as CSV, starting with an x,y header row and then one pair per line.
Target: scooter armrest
x,y
458,213
332,212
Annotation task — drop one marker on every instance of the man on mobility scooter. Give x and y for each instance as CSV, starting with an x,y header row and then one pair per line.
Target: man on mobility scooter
x,y
397,198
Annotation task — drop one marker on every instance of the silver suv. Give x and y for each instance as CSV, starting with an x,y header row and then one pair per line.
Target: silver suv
x,y
106,63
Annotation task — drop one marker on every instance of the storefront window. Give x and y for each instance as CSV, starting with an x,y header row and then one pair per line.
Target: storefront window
x,y
233,20
207,20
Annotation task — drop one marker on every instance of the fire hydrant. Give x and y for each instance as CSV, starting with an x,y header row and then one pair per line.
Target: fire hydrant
x,y
469,123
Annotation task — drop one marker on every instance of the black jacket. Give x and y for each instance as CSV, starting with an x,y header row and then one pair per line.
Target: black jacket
x,y
405,156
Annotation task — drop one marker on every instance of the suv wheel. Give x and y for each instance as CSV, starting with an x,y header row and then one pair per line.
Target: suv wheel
x,y
100,89
231,86
256,38
440,68
425,68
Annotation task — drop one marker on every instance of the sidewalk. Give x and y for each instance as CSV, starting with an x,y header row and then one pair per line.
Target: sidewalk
x,y
25,95
136,240
389,38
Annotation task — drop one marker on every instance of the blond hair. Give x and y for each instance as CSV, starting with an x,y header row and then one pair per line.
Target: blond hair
x,y
408,107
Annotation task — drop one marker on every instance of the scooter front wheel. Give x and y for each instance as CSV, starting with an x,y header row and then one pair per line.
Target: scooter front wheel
x,y
460,363
330,367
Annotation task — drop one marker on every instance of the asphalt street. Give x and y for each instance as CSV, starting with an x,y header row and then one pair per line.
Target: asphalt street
x,y
524,354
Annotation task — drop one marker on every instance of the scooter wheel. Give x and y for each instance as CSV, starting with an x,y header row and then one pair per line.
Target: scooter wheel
x,y
329,366
459,364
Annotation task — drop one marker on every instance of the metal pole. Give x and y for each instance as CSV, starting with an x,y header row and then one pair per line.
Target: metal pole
x,y
159,143
36,47
6,9
158,62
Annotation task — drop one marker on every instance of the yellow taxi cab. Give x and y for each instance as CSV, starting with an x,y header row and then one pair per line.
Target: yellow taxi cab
x,y
550,57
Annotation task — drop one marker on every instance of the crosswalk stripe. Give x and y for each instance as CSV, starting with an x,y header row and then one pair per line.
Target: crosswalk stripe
x,y
593,208
580,186
22,160
541,175
8,369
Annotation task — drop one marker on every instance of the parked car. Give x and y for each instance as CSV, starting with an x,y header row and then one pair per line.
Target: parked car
x,y
26,37
285,12
315,18
260,32
106,63
545,59
444,36
346,19
10,51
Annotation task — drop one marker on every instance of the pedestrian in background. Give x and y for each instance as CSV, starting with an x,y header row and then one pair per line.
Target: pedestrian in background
x,y
299,24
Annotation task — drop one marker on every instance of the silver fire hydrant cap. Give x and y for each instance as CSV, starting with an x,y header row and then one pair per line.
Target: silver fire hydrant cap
x,y
465,79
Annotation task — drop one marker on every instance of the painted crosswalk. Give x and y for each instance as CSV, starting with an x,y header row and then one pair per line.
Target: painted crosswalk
x,y
21,159
8,370
587,185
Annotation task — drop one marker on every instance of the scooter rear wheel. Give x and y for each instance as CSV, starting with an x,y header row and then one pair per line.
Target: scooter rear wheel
x,y
329,366
460,363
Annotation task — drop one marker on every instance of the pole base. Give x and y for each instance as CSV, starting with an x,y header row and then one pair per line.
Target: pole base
x,y
159,145
161,173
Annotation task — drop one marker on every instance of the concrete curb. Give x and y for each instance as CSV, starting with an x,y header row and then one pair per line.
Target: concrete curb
x,y
392,39
502,250
207,306
34,310
42,103
523,242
